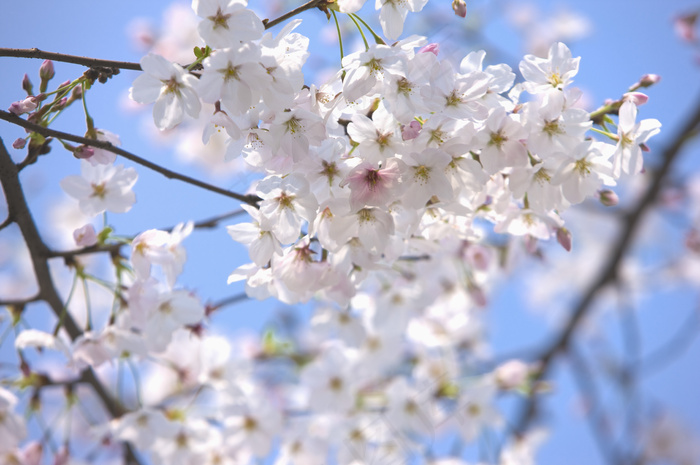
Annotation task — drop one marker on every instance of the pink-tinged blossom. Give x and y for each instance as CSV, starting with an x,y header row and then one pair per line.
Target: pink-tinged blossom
x,y
171,88
102,188
19,143
632,136
372,186
225,23
564,238
85,236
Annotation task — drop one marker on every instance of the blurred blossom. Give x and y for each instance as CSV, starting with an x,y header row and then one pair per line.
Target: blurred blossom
x,y
685,26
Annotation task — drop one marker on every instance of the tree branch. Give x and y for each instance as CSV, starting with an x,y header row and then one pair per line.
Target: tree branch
x,y
306,6
39,253
249,199
609,271
62,57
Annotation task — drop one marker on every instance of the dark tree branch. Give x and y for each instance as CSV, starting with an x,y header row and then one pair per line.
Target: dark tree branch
x,y
608,273
306,6
78,60
249,199
19,213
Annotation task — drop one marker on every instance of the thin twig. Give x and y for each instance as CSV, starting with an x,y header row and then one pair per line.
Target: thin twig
x,y
294,12
62,57
608,273
249,199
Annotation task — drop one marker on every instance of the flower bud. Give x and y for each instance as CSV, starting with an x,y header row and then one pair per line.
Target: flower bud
x,y
564,238
411,131
460,8
433,48
46,73
85,236
83,152
19,143
512,374
647,80
637,98
608,198
27,85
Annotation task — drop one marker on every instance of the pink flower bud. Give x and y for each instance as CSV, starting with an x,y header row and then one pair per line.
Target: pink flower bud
x,y
83,152
608,198
85,236
564,238
637,98
647,80
460,8
46,71
27,85
433,48
411,131
19,143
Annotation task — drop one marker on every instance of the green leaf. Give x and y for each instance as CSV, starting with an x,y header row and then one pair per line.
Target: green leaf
x,y
198,52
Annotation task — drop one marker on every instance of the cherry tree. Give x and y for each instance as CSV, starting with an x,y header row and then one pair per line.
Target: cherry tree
x,y
387,199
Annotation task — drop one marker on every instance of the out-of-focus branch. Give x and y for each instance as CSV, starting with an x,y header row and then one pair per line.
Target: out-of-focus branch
x,y
608,273
249,199
19,212
62,57
598,421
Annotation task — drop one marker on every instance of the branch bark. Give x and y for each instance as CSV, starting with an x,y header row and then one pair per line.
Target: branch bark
x,y
249,199
19,212
62,57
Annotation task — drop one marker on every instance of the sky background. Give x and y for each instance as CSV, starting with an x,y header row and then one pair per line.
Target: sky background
x,y
625,40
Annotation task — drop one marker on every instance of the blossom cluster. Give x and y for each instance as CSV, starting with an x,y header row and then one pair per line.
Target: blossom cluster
x,y
375,191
